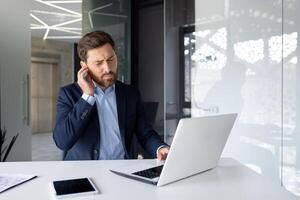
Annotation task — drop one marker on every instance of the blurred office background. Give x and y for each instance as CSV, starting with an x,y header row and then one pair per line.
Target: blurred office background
x,y
189,58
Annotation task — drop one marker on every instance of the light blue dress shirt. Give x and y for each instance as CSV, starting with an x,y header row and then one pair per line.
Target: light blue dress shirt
x,y
111,146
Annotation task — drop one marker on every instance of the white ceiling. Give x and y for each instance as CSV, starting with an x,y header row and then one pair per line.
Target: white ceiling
x,y
59,19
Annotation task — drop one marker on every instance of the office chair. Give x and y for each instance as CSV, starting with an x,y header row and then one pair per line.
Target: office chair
x,y
150,112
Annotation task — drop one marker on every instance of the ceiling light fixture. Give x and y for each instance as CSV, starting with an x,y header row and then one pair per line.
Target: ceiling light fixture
x,y
46,26
92,11
38,19
42,25
64,37
56,29
110,15
46,33
53,13
58,7
57,2
67,22
65,30
37,27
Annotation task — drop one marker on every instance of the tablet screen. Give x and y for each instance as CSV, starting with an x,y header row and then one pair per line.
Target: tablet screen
x,y
73,186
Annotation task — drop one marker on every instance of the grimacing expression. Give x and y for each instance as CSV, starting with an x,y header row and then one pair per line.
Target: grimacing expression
x,y
102,64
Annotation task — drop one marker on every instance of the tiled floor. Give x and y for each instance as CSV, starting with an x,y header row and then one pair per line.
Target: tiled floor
x,y
44,149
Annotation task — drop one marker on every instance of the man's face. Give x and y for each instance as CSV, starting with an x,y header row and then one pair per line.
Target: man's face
x,y
102,64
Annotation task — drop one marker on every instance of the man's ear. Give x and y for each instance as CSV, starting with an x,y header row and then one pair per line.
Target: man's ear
x,y
82,64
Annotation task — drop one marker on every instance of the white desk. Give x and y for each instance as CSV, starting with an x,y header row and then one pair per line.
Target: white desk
x,y
229,181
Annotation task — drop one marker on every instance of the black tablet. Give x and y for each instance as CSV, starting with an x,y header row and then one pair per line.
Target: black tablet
x,y
74,187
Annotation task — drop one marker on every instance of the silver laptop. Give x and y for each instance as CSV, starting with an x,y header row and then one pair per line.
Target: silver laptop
x,y
196,147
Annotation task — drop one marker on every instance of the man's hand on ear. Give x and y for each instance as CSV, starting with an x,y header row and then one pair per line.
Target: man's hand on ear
x,y
163,153
84,81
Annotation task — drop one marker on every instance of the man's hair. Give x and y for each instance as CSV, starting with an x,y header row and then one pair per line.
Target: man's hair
x,y
93,40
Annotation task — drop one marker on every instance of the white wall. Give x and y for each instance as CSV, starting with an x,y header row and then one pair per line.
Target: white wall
x,y
15,65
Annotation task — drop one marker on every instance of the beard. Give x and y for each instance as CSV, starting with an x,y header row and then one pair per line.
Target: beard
x,y
105,80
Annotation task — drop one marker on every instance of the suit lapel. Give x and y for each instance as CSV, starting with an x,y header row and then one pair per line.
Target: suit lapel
x,y
121,106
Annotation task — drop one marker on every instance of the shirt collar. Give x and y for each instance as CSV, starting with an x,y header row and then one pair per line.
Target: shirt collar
x,y
98,89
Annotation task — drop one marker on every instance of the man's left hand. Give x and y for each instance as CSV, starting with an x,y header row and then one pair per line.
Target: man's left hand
x,y
163,153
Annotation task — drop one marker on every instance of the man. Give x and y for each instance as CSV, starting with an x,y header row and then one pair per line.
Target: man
x,y
98,116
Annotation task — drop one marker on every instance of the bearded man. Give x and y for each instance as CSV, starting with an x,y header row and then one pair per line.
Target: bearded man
x,y
98,115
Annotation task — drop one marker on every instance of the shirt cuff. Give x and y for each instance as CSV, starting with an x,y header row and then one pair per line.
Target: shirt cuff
x,y
90,99
162,146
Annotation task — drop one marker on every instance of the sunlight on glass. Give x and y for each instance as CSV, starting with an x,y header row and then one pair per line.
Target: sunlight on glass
x,y
186,52
255,168
291,179
250,51
220,38
290,156
294,60
186,41
202,34
250,72
209,58
289,46
258,143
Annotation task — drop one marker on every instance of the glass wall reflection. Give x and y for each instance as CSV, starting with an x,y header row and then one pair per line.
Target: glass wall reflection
x,y
232,59
291,93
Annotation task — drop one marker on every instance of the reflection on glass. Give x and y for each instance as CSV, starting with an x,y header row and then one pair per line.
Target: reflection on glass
x,y
235,61
202,34
251,51
220,38
289,46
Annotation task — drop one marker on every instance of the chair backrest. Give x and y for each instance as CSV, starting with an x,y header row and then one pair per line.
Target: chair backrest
x,y
150,114
151,111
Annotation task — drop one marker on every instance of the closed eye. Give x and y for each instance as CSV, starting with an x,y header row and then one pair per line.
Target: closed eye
x,y
110,58
99,63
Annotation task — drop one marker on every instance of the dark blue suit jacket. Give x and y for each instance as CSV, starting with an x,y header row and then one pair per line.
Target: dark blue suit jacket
x,y
77,130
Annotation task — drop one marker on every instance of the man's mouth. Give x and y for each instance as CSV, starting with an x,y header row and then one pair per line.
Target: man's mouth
x,y
107,75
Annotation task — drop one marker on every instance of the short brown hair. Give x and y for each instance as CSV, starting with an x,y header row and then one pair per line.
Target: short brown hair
x,y
93,40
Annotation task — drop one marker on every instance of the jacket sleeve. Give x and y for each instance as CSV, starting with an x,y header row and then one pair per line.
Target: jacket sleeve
x,y
72,117
145,133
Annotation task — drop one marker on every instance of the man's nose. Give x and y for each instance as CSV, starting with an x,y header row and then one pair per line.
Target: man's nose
x,y
106,68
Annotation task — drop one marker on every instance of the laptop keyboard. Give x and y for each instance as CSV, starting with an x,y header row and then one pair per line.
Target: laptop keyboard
x,y
150,173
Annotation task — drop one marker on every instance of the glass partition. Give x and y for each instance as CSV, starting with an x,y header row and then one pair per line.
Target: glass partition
x,y
238,56
290,168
